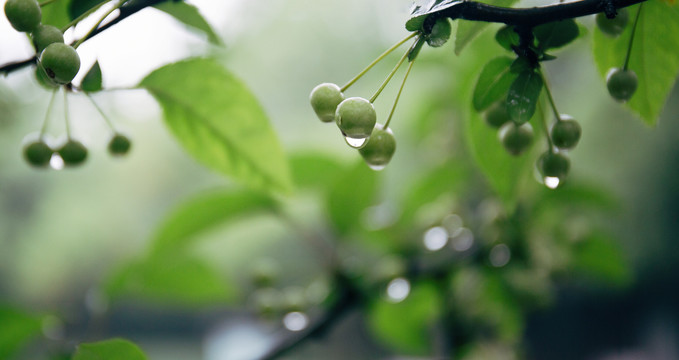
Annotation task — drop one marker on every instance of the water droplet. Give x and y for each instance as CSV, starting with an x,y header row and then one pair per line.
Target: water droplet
x,y
295,321
377,167
551,182
56,162
435,238
398,289
356,143
500,255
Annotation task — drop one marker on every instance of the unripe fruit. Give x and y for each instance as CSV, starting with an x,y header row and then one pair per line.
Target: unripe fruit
x,y
73,153
324,99
356,117
61,62
615,26
38,153
553,164
44,80
380,148
23,15
497,115
566,132
119,145
516,138
621,83
44,35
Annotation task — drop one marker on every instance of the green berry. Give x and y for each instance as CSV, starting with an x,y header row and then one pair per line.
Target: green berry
x,y
38,153
23,15
615,26
61,62
621,83
497,115
516,138
380,148
356,118
45,35
553,164
73,152
324,99
566,132
44,80
119,145
440,33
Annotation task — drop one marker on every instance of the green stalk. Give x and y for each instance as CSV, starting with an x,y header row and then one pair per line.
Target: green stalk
x,y
101,112
82,39
68,125
391,74
410,66
81,17
631,39
549,96
45,122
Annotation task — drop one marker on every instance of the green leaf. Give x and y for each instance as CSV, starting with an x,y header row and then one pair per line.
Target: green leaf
x,y
600,258
493,83
182,227
92,81
17,329
56,13
219,122
171,280
440,33
507,37
114,349
420,13
313,170
351,193
523,96
468,30
189,15
79,7
556,34
406,326
654,56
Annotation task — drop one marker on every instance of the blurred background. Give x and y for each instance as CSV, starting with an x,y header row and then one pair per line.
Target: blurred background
x,y
63,232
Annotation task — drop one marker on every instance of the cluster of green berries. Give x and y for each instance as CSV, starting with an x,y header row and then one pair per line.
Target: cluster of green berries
x,y
621,82
58,63
39,153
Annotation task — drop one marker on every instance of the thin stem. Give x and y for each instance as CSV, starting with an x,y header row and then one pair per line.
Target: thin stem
x,y
68,125
546,129
98,23
549,96
101,112
82,16
45,122
391,74
379,58
631,39
405,77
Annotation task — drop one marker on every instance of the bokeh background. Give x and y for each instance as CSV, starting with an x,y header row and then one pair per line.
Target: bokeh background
x,y
62,232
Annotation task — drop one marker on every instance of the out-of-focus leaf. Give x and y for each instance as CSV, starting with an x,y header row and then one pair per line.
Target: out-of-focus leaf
x,y
351,193
406,326
219,122
189,15
578,196
92,81
56,13
654,56
493,83
600,258
17,328
313,170
468,30
556,34
523,95
79,7
171,280
114,349
182,227
507,37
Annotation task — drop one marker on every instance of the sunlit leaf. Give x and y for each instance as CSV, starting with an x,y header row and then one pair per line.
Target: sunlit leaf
x,y
654,56
56,13
189,15
79,7
219,122
468,30
523,95
17,328
92,81
407,325
182,227
114,349
351,193
556,34
493,83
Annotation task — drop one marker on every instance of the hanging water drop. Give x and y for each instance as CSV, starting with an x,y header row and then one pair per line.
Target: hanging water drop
x,y
551,182
56,162
356,143
377,167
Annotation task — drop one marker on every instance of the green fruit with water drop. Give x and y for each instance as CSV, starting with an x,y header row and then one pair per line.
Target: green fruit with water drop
x,y
621,83
324,99
515,138
566,132
73,153
356,117
23,15
38,153
60,62
380,148
553,164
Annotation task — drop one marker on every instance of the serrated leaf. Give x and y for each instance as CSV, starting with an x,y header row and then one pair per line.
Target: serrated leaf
x,y
202,213
523,95
56,13
351,193
114,349
79,7
406,326
493,83
556,34
468,30
654,56
175,280
219,122
507,37
189,15
17,328
92,81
